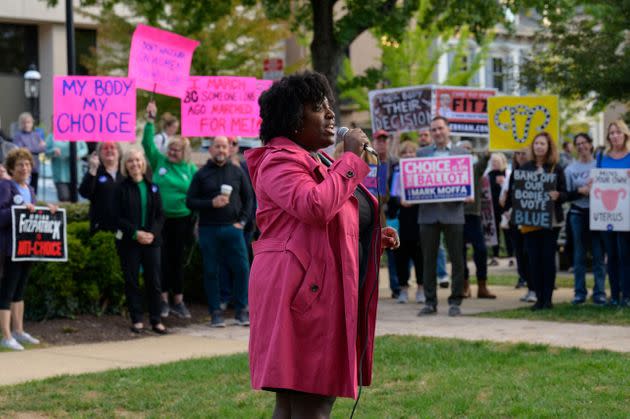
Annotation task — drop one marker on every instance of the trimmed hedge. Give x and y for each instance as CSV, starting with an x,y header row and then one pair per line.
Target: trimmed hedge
x,y
90,282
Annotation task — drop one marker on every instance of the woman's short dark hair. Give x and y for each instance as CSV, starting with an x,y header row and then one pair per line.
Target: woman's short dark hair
x,y
282,106
586,137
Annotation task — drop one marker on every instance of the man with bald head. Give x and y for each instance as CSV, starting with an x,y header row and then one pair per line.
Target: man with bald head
x,y
223,197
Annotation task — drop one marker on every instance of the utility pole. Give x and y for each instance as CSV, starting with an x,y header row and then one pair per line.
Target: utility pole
x,y
74,195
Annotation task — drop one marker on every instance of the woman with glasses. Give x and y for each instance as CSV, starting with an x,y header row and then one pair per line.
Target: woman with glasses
x,y
578,174
172,174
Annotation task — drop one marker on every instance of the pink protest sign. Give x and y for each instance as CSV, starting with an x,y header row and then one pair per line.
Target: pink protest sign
x,y
160,60
436,179
222,105
94,108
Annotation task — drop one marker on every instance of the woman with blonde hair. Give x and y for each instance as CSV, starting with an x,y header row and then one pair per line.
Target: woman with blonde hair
x,y
172,173
498,176
138,209
169,125
617,156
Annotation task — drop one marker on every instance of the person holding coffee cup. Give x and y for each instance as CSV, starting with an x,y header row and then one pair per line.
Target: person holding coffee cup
x,y
222,195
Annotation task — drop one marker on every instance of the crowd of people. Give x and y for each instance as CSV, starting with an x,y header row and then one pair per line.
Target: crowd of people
x,y
157,203
535,248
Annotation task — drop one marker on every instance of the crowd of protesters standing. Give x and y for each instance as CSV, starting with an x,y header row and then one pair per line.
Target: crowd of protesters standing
x,y
157,202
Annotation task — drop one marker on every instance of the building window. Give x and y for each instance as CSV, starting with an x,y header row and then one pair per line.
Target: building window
x,y
498,74
18,48
85,44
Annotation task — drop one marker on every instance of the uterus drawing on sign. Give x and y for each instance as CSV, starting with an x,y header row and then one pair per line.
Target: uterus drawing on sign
x,y
610,197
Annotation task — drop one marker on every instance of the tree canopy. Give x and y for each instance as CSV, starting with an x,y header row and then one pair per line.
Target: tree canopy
x,y
583,51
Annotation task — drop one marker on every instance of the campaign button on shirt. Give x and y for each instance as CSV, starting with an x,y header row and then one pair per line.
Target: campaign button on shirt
x,y
102,179
162,171
18,200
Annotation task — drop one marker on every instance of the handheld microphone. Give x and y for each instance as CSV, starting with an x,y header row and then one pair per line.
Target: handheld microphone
x,y
341,133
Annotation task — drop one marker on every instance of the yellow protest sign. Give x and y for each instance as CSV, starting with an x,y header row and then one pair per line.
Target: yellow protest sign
x,y
514,121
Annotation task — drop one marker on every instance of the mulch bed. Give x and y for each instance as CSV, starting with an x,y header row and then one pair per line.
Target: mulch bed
x,y
107,328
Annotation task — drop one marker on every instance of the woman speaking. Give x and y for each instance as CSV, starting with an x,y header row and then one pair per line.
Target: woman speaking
x,y
312,287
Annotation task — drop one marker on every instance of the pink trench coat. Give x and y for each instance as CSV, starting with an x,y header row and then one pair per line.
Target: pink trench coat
x,y
308,321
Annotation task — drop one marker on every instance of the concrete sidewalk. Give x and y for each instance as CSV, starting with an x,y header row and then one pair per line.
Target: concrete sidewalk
x,y
400,319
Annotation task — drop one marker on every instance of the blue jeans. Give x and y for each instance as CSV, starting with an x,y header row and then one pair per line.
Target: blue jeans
x,y
224,244
583,238
618,250
226,274
393,275
441,262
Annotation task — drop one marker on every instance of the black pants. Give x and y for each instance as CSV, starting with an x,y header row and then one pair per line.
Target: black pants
x,y
13,282
176,238
522,263
541,248
132,255
34,178
63,191
473,234
506,238
430,243
409,250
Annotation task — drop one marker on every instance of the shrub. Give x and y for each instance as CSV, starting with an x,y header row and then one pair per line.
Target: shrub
x,y
76,211
90,282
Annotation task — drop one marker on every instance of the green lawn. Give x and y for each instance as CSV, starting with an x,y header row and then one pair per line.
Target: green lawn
x,y
566,312
562,281
414,377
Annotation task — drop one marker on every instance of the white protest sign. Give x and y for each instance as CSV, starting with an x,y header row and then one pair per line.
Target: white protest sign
x,y
610,200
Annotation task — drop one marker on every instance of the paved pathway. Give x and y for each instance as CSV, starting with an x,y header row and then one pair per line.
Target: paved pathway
x,y
400,319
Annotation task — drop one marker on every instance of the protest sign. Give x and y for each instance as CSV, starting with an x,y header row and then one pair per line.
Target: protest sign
x,y
465,108
610,200
376,180
159,60
436,179
94,108
488,222
39,235
222,105
401,109
532,205
514,121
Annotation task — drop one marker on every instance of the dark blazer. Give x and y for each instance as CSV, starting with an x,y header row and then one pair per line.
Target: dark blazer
x,y
101,190
561,186
7,191
128,209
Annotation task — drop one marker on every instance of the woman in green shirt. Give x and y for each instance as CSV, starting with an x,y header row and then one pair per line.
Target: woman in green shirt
x,y
172,173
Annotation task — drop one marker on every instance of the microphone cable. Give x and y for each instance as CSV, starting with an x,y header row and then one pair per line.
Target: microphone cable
x,y
375,251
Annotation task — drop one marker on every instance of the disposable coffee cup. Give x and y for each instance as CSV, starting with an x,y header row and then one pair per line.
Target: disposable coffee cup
x,y
226,190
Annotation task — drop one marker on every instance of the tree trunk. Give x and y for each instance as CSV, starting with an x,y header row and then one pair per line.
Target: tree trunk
x,y
326,53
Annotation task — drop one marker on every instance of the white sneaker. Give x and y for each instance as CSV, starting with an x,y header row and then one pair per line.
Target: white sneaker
x,y
420,298
25,338
11,344
443,281
403,297
530,297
